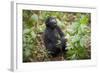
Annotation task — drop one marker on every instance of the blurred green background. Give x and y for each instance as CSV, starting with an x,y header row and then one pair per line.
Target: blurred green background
x,y
75,25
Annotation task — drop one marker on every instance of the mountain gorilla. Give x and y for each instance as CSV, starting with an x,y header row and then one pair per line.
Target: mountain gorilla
x,y
54,39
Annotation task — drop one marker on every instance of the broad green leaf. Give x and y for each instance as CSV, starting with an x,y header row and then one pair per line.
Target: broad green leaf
x,y
84,20
75,38
26,31
27,52
34,17
33,34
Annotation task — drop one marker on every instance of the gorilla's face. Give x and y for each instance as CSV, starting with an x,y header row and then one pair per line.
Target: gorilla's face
x,y
51,22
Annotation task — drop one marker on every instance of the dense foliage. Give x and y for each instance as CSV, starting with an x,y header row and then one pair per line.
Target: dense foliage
x,y
76,27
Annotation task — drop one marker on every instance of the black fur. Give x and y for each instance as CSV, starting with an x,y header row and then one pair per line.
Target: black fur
x,y
54,39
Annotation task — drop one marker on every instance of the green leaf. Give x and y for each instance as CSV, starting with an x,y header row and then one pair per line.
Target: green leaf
x,y
27,52
82,42
26,31
34,17
33,34
75,38
84,20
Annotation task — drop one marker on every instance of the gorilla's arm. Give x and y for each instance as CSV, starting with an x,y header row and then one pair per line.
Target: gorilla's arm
x,y
60,31
63,39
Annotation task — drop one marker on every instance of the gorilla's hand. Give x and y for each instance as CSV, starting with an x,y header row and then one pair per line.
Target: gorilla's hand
x,y
58,45
61,43
63,40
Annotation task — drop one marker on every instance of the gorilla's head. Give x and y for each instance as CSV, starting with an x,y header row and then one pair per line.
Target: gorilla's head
x,y
51,22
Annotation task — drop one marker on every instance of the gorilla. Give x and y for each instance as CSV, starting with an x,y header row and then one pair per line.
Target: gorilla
x,y
54,39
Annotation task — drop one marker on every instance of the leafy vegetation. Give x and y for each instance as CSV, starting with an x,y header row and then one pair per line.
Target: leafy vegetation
x,y
76,27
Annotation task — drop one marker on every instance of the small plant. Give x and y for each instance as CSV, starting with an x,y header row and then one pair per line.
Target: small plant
x,y
79,39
